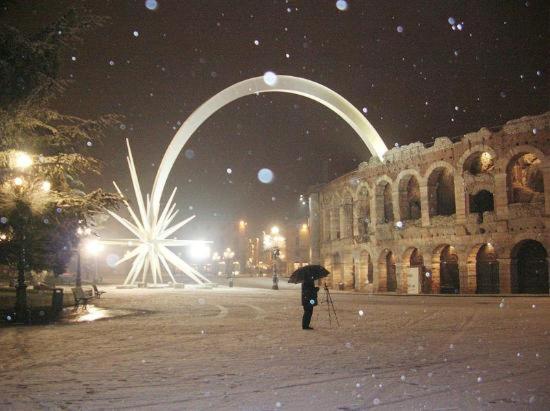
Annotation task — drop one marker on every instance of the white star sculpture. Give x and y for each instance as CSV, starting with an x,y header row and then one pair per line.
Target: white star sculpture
x,y
152,237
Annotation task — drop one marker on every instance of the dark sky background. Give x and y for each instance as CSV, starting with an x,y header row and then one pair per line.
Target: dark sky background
x,y
401,60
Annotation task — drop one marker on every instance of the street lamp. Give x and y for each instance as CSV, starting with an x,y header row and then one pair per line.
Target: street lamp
x,y
274,242
81,231
228,258
216,262
94,247
22,162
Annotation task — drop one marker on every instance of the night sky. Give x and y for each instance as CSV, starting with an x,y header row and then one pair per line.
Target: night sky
x,y
400,61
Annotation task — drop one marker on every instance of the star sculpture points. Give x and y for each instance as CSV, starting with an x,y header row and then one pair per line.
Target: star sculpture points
x,y
152,236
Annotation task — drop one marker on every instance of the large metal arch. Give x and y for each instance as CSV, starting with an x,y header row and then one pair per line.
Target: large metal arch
x,y
284,84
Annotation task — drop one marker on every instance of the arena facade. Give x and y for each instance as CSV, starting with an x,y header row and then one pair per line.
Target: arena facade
x,y
463,215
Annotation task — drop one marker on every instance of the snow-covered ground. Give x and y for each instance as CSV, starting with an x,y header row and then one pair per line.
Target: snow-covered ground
x,y
243,349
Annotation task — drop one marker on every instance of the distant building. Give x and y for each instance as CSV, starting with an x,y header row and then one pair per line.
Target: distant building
x,y
467,215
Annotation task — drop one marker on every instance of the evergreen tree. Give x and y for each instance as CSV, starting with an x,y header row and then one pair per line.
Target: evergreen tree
x,y
40,213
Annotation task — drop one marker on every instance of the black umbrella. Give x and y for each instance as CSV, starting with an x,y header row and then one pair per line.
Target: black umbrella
x,y
308,271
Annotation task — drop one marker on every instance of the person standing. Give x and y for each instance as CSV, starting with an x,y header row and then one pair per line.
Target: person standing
x,y
309,300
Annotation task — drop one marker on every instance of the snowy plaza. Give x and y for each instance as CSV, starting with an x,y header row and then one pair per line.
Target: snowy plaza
x,y
243,348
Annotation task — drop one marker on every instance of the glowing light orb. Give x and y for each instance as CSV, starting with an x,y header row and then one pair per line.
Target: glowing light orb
x,y
342,5
270,78
136,33
400,29
112,259
151,4
265,175
228,171
199,252
451,21
23,160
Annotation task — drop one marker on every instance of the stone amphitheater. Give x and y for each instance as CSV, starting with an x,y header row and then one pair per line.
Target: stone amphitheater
x,y
463,215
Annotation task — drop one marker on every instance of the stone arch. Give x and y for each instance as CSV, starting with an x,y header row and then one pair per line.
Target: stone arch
x,y
504,160
462,163
408,187
387,271
334,218
524,175
365,269
362,211
384,200
482,269
337,268
445,274
441,189
281,83
529,267
413,258
346,214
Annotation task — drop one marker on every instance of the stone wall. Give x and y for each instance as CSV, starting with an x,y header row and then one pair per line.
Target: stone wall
x,y
462,211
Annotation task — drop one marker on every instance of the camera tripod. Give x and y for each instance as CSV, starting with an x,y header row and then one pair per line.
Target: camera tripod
x,y
330,307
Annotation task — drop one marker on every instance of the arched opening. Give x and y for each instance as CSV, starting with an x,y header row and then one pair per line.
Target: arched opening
x,y
326,225
525,179
530,266
384,202
335,223
441,192
363,213
448,271
481,202
337,269
487,277
479,162
346,216
409,198
391,272
417,261
365,270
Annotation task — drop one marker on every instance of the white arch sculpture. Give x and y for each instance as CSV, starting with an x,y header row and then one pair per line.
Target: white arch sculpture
x,y
256,85
153,231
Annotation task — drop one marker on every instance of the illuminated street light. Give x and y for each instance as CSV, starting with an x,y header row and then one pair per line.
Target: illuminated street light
x,y
228,255
18,181
22,160
46,186
82,232
199,251
274,242
93,247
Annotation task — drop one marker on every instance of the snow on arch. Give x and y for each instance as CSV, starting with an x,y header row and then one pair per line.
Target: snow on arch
x,y
283,84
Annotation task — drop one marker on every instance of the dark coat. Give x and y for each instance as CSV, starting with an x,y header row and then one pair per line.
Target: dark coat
x,y
309,293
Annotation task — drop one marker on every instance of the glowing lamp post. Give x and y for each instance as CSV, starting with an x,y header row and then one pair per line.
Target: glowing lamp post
x,y
228,255
21,162
81,232
93,248
274,242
